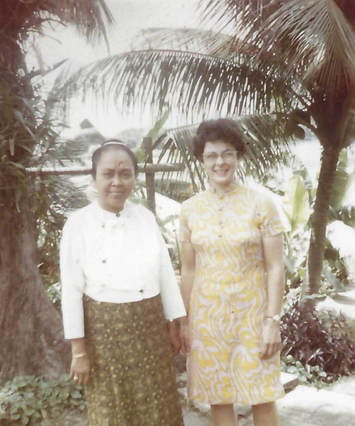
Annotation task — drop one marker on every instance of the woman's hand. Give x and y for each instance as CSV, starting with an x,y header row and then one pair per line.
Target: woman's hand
x,y
80,364
185,335
174,337
80,370
271,338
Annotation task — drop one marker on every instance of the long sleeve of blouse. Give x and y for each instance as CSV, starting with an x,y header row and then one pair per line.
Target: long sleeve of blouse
x,y
73,281
116,259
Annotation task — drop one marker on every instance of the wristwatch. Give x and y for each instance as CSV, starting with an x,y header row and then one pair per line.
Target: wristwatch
x,y
275,318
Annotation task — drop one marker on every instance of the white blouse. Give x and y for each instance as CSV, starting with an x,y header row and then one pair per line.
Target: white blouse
x,y
114,258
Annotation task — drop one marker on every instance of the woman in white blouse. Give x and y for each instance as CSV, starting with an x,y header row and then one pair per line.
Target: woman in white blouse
x,y
118,290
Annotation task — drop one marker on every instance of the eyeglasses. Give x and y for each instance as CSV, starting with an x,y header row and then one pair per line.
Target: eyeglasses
x,y
227,156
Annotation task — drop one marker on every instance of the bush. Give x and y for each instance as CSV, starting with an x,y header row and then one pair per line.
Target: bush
x,y
55,294
30,400
319,345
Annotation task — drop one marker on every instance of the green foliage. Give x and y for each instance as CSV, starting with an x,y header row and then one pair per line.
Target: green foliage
x,y
342,181
55,295
296,203
171,239
310,374
30,400
297,199
319,346
53,197
295,258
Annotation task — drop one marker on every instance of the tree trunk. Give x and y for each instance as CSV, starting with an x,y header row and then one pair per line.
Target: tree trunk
x,y
31,329
319,221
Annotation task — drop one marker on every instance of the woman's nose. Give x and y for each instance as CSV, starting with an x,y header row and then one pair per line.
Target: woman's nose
x,y
219,159
116,180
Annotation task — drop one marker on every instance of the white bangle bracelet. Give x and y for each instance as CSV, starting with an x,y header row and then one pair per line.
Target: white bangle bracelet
x,y
80,355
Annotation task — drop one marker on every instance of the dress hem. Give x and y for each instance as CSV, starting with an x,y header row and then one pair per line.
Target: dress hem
x,y
235,402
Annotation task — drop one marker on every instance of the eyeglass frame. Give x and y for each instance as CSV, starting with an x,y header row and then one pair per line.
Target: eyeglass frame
x,y
227,156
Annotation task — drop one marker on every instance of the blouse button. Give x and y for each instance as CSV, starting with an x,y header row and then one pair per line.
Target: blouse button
x,y
141,290
104,260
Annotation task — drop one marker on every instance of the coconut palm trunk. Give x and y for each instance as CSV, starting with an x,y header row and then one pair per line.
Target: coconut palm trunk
x,y
31,331
319,220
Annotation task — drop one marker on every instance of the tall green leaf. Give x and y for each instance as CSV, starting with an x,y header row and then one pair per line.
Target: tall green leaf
x,y
296,203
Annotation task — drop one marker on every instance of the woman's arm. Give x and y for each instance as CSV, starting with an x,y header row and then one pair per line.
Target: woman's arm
x,y
187,279
72,280
273,258
173,304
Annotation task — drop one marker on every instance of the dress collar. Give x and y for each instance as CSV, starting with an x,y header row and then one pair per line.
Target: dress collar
x,y
231,188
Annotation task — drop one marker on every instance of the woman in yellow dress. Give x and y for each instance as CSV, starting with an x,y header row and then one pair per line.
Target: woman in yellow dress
x,y
232,285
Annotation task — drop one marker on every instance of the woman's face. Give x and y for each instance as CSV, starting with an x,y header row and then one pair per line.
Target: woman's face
x,y
115,179
220,161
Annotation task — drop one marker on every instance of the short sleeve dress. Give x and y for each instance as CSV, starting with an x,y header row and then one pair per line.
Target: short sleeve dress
x,y
229,297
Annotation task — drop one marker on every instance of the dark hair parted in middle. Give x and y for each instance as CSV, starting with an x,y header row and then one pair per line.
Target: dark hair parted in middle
x,y
112,144
224,129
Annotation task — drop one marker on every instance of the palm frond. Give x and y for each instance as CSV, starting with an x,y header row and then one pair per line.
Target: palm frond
x,y
18,18
315,38
237,17
175,189
208,42
179,148
319,32
185,39
188,82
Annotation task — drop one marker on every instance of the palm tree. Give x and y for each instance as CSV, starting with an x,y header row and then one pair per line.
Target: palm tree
x,y
31,336
292,60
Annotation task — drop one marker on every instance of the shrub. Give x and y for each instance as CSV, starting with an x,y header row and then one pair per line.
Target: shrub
x,y
31,400
319,342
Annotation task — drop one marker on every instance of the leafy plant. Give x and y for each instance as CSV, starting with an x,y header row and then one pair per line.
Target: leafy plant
x,y
31,400
54,293
319,342
310,374
297,199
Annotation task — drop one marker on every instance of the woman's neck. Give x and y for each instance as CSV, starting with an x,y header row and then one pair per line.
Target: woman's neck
x,y
222,189
111,209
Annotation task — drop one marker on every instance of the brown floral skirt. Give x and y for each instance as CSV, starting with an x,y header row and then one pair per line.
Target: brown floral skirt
x,y
133,380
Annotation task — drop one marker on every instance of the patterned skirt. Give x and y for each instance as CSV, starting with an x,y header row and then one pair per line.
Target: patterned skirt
x,y
133,380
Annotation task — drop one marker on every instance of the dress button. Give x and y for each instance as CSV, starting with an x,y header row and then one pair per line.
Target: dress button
x,y
104,260
141,290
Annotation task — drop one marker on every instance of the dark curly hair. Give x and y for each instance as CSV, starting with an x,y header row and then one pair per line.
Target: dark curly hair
x,y
112,144
224,129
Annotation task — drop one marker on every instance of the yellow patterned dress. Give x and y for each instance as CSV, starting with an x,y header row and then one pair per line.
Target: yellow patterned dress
x,y
229,297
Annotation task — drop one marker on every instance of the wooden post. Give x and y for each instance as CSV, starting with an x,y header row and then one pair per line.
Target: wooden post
x,y
149,175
